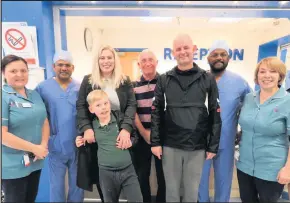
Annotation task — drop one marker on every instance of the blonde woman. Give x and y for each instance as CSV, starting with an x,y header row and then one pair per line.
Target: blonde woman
x,y
263,167
106,75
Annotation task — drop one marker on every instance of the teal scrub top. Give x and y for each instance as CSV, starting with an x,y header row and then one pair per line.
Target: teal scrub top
x,y
24,119
265,130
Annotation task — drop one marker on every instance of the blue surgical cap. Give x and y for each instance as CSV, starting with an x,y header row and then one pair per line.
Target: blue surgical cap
x,y
219,44
63,55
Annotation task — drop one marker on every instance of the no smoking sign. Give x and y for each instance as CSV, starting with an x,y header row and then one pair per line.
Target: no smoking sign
x,y
15,39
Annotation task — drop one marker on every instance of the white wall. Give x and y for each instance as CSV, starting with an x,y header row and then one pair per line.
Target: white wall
x,y
158,39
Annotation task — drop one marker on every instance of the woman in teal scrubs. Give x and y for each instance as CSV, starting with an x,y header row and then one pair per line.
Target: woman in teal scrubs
x,y
263,167
25,132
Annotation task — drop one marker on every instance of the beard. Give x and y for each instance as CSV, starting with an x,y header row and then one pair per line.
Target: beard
x,y
218,70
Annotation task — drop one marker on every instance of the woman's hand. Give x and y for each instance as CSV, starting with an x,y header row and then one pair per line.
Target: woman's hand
x,y
89,136
284,176
123,140
80,141
40,151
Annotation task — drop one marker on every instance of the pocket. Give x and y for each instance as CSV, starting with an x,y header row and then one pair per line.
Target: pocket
x,y
72,100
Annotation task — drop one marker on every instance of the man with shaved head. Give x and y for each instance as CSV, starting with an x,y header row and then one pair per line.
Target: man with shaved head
x,y
232,91
144,92
186,99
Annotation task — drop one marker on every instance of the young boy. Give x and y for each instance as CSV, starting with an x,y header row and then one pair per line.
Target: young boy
x,y
116,171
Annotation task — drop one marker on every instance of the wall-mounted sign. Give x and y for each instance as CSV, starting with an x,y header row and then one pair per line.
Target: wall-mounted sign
x,y
14,23
21,41
201,54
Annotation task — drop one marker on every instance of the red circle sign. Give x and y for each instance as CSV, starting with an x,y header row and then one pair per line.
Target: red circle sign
x,y
15,39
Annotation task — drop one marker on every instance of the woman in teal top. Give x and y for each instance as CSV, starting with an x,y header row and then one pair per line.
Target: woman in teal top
x,y
25,132
263,167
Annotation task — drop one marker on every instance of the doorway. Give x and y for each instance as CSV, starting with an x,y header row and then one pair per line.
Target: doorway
x,y
129,62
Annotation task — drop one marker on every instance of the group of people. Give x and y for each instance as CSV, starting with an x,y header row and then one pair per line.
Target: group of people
x,y
105,130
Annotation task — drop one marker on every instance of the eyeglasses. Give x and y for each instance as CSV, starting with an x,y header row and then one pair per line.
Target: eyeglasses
x,y
216,55
67,65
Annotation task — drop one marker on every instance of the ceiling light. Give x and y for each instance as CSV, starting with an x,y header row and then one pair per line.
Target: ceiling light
x,y
224,20
283,2
236,2
140,2
93,2
187,2
156,19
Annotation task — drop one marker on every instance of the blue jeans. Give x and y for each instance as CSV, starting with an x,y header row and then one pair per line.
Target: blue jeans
x,y
113,181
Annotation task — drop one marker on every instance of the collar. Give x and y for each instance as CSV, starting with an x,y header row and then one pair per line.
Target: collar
x,y
72,83
195,68
142,79
113,120
10,90
279,94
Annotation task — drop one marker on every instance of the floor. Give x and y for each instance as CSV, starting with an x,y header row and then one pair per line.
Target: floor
x,y
94,197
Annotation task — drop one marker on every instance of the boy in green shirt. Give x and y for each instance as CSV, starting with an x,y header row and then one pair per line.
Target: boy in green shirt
x,y
116,171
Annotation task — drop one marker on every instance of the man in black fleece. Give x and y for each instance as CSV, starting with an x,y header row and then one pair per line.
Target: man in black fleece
x,y
186,100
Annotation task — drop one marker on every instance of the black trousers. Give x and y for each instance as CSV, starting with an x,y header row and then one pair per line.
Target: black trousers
x,y
254,190
142,156
22,190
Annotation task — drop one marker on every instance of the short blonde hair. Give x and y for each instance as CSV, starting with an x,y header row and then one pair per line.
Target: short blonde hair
x,y
96,95
274,63
117,77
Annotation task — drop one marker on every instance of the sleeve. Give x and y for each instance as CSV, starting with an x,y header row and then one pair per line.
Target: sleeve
x,y
131,108
246,91
157,113
215,122
5,112
83,114
38,89
288,124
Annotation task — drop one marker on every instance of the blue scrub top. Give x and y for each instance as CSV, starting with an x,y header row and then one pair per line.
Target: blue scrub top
x,y
61,110
266,128
287,82
24,118
232,91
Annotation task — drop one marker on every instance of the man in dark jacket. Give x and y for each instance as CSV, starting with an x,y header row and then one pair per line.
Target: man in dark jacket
x,y
186,97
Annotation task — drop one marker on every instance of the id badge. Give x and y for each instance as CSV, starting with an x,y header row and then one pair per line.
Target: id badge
x,y
26,105
237,154
26,160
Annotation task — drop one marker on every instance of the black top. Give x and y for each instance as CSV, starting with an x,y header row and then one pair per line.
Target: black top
x,y
126,97
191,123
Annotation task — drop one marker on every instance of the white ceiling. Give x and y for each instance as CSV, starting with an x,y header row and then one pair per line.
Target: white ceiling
x,y
251,24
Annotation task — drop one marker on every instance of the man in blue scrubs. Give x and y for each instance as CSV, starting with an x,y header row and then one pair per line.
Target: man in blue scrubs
x,y
59,94
287,84
232,90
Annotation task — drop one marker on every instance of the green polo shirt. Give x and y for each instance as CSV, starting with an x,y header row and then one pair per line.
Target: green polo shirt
x,y
24,118
109,156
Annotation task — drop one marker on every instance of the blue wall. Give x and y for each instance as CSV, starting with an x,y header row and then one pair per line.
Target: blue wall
x,y
39,14
271,48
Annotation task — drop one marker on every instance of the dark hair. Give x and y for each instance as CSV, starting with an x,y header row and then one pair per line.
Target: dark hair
x,y
9,59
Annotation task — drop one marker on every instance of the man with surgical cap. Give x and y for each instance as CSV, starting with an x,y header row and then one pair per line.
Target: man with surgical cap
x,y
59,94
232,91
